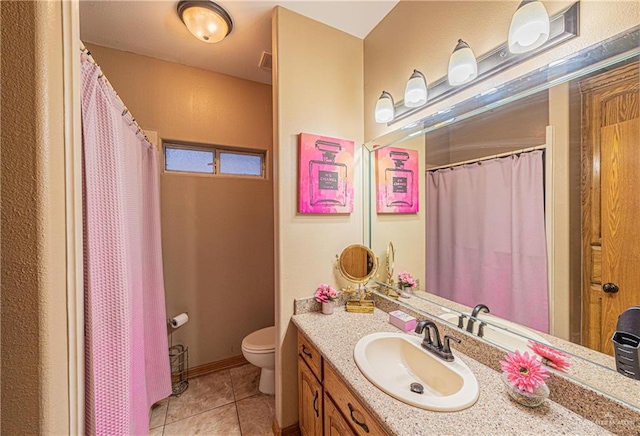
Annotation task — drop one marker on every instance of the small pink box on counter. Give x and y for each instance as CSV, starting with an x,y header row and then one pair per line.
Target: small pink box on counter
x,y
402,320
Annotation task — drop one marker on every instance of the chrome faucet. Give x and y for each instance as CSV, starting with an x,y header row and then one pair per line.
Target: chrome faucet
x,y
433,343
474,315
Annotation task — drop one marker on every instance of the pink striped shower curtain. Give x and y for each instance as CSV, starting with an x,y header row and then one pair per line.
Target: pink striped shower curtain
x,y
126,357
486,238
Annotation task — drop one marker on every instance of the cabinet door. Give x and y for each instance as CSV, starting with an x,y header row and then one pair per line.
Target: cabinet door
x,y
334,422
309,401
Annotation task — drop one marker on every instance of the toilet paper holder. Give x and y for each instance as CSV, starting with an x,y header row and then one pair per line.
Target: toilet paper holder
x,y
178,357
179,320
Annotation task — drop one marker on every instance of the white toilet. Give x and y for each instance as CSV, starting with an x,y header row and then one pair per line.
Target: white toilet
x,y
259,349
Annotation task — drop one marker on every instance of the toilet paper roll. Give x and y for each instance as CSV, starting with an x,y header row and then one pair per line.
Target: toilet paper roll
x,y
179,320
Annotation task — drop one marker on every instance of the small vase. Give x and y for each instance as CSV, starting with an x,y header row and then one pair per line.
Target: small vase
x,y
529,399
405,292
327,307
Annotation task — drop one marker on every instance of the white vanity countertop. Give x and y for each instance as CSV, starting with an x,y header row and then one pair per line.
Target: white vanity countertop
x,y
495,413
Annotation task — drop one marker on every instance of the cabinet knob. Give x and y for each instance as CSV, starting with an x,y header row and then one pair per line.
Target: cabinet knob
x,y
610,288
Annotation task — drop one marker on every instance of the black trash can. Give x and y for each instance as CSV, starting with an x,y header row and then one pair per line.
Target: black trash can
x,y
626,343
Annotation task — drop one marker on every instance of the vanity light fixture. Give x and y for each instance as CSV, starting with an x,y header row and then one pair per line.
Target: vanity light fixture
x,y
385,110
415,93
530,27
206,20
529,33
463,66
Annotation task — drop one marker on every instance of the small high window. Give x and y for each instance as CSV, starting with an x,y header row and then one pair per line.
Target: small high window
x,y
188,160
213,160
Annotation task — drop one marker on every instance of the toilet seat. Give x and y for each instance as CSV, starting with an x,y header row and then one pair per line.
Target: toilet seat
x,y
261,341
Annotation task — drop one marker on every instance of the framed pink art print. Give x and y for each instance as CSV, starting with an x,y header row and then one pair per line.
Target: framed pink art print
x,y
325,175
397,180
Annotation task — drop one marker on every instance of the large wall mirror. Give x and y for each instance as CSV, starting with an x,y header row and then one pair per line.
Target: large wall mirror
x,y
528,204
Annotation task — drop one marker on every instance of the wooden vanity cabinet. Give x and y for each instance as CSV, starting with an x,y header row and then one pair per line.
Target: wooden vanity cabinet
x,y
325,404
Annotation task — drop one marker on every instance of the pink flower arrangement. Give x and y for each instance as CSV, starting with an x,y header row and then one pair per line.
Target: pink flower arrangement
x,y
524,372
555,359
406,280
325,293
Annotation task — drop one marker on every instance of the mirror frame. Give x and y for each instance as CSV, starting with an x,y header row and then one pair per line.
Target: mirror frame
x,y
391,261
349,277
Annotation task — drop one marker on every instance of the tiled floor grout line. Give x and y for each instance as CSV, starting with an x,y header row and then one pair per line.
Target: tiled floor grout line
x,y
200,413
235,402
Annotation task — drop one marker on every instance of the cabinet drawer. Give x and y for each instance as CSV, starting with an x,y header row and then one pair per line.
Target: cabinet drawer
x,y
356,415
310,354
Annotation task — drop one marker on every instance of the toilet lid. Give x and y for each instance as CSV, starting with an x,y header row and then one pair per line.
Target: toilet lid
x,y
260,340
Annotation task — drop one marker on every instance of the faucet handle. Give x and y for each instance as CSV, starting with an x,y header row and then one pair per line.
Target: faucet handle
x,y
461,319
481,329
446,348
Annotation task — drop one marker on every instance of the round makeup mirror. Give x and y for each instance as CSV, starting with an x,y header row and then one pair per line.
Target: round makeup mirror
x,y
391,258
357,263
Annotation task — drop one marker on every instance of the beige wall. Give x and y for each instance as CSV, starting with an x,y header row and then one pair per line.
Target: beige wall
x,y
422,35
217,233
317,89
35,397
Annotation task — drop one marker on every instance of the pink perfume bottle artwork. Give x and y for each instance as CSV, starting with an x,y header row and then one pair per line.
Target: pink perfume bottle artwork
x,y
397,180
325,182
328,178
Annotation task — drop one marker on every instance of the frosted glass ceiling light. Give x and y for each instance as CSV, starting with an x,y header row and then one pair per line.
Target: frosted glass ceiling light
x,y
463,67
205,20
415,93
529,27
384,108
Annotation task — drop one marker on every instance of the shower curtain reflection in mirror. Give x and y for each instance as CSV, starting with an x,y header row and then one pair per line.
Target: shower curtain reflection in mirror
x,y
486,237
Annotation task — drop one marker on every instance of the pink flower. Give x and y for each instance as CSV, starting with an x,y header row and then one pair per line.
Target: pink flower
x,y
406,280
523,371
325,293
555,359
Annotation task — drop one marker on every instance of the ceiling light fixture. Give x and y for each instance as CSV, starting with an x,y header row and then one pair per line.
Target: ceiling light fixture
x,y
206,20
463,66
384,108
529,27
415,93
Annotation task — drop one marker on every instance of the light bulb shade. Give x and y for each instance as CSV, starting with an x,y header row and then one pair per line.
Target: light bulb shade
x,y
205,20
463,67
529,27
384,108
415,93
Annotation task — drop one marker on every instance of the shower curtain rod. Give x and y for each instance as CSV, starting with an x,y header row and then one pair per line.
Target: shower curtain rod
x,y
495,156
85,51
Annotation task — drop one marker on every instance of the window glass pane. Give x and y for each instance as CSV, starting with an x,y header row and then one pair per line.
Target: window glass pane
x,y
243,164
194,161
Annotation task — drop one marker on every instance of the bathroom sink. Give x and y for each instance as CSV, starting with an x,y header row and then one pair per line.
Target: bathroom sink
x,y
509,336
395,361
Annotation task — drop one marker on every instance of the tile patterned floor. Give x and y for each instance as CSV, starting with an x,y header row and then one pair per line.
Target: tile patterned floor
x,y
225,403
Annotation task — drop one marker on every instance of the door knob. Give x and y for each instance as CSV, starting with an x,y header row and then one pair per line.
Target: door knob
x,y
610,288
